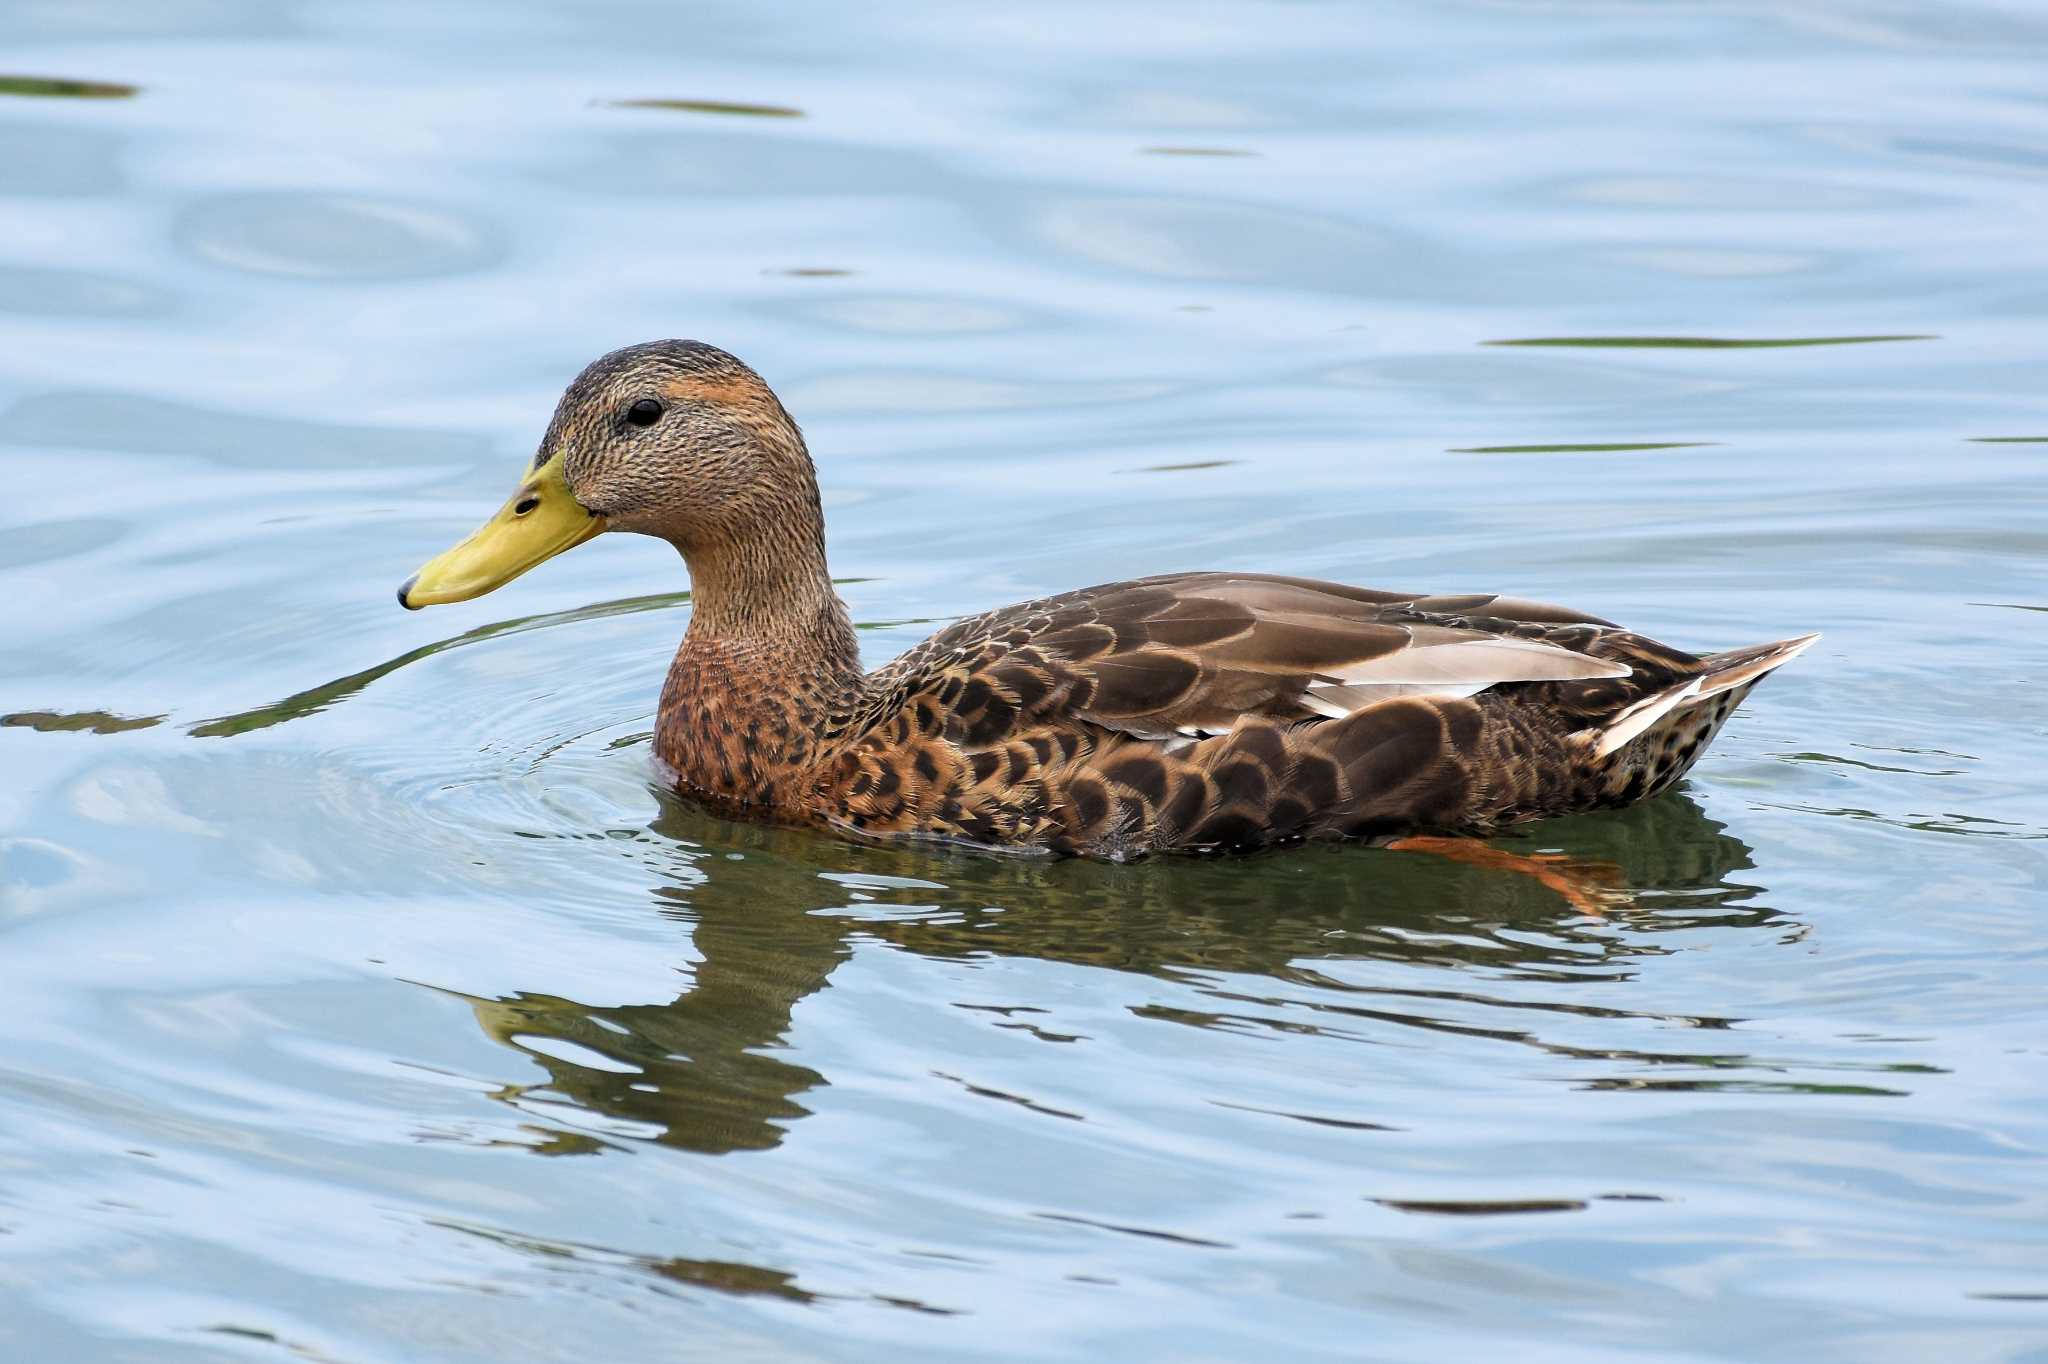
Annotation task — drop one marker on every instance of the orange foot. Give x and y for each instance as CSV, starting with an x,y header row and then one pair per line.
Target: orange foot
x,y
1590,887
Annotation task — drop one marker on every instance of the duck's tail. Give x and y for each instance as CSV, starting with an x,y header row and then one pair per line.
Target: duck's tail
x,y
1656,739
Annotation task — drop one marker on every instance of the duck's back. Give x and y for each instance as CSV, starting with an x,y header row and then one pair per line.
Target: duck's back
x,y
1228,711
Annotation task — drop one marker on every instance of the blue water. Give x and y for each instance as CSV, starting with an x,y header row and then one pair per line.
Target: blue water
x,y
367,1003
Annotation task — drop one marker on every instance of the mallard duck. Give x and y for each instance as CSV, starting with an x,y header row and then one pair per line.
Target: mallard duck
x,y
1190,711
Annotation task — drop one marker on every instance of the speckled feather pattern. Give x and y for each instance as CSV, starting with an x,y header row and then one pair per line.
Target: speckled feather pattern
x,y
1167,714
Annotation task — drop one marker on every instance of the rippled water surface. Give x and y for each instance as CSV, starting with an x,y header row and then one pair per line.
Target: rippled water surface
x,y
367,1001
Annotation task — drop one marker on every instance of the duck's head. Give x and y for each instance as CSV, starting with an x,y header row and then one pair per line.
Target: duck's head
x,y
675,439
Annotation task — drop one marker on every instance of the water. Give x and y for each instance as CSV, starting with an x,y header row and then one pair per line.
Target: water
x,y
366,1002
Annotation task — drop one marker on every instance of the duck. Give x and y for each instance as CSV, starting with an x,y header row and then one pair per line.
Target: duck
x,y
1211,712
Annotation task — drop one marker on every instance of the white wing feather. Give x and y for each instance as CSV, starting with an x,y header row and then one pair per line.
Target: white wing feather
x,y
1459,667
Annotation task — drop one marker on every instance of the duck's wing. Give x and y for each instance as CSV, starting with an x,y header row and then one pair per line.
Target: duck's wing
x,y
1186,655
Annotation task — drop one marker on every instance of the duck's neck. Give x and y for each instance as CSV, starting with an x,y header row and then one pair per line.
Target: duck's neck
x,y
769,656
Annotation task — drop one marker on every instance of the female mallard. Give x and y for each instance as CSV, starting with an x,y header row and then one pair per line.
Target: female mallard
x,y
1189,711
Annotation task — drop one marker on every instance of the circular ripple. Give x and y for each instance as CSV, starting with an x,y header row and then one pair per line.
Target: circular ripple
x,y
501,759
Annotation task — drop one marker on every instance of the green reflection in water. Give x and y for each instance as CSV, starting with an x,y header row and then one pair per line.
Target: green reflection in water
x,y
316,699
1705,342
85,721
710,106
54,87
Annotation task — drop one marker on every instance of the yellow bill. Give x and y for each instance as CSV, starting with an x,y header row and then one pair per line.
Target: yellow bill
x,y
539,522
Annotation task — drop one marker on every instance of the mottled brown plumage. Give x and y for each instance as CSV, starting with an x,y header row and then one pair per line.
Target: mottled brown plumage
x,y
1194,711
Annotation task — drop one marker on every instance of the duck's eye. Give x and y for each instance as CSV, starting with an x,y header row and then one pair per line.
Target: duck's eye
x,y
646,412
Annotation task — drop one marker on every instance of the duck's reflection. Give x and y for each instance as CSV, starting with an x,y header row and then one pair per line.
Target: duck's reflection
x,y
774,912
